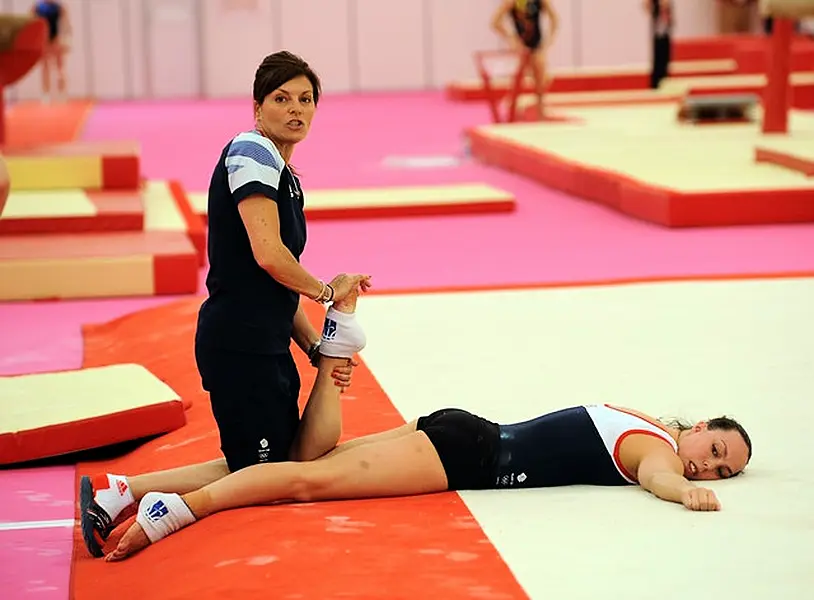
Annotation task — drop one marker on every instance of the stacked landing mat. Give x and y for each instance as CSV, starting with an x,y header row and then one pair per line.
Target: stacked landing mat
x,y
51,414
46,415
80,223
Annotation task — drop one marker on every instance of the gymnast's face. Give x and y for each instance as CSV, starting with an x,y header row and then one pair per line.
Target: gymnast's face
x,y
712,453
286,113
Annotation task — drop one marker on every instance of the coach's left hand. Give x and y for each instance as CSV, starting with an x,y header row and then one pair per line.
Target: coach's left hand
x,y
342,375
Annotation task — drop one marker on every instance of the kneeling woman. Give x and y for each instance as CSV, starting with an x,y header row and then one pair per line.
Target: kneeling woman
x,y
452,449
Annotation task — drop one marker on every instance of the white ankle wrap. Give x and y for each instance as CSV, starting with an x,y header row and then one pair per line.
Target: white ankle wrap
x,y
342,336
162,514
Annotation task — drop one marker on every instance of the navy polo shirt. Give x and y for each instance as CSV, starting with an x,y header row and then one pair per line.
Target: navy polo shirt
x,y
247,309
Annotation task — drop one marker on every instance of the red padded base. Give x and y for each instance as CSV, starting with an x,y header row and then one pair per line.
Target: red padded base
x,y
643,201
789,160
115,211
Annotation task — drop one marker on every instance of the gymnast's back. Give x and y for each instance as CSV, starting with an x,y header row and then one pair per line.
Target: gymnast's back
x,y
573,446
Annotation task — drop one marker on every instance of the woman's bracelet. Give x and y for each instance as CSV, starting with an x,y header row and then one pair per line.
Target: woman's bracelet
x,y
326,293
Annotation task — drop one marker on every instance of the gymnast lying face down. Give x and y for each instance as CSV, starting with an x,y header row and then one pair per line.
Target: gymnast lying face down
x,y
450,449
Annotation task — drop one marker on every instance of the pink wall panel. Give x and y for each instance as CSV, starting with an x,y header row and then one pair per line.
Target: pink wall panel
x,y
695,18
459,28
76,67
392,44
106,49
188,48
134,15
565,52
235,38
613,33
319,31
173,47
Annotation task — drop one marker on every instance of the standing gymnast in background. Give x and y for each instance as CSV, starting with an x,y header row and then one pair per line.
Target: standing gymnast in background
x,y
661,30
528,37
59,31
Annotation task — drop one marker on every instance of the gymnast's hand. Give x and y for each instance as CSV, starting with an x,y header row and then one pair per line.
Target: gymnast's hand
x,y
344,284
342,375
698,498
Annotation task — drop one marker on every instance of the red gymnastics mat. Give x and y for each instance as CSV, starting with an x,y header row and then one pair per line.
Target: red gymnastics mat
x,y
422,547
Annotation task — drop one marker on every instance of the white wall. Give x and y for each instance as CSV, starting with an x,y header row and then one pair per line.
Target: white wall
x,y
130,49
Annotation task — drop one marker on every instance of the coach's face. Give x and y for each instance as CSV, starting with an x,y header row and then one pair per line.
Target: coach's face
x,y
286,113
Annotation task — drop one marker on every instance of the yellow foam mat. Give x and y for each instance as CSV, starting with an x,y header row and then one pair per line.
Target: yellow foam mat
x,y
161,212
54,413
57,203
54,172
648,143
673,85
48,399
397,196
678,66
672,88
389,197
799,146
102,277
701,66
159,258
199,202
610,96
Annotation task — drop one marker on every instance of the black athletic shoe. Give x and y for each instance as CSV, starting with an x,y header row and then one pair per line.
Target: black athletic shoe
x,y
94,519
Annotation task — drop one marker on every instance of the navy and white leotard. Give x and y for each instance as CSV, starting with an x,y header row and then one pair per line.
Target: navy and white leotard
x,y
573,446
526,16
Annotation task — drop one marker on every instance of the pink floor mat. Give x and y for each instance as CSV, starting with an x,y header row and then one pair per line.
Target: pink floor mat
x,y
34,563
31,495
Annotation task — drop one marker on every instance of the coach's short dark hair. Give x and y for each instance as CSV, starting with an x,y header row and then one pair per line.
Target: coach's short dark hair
x,y
278,68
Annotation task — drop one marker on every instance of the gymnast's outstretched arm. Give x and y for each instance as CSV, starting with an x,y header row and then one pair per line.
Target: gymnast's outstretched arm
x,y
661,473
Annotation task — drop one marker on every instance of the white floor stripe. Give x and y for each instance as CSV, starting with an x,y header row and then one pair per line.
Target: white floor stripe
x,y
421,162
21,525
